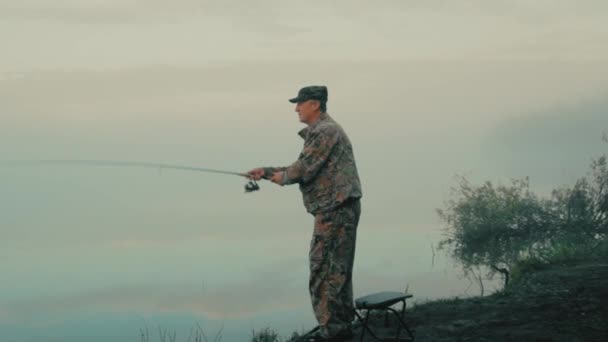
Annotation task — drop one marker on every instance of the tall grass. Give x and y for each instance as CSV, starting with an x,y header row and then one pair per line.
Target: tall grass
x,y
562,253
198,335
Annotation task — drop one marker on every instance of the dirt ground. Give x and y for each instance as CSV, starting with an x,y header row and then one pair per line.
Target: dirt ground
x,y
561,303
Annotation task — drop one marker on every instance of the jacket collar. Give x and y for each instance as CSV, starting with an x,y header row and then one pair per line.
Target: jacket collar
x,y
304,132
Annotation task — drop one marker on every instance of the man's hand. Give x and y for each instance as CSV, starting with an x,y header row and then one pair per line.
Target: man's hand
x,y
256,174
277,178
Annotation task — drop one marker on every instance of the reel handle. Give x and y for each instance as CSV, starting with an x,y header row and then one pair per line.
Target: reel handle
x,y
251,186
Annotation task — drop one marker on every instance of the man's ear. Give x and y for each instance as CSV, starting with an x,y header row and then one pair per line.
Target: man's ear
x,y
316,104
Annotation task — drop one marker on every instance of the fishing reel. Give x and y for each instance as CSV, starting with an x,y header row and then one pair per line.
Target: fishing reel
x,y
251,186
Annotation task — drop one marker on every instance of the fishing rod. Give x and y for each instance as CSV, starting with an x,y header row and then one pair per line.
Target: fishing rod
x,y
249,187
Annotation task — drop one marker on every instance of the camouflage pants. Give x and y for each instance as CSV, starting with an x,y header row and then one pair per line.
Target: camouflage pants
x,y
332,253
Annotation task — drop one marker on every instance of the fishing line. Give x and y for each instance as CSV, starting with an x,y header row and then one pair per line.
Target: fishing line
x,y
249,187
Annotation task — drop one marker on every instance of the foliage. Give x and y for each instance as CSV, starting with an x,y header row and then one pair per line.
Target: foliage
x,y
265,335
493,226
562,254
581,213
499,226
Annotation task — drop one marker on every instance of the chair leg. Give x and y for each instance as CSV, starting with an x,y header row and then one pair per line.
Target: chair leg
x,y
402,317
365,325
386,318
401,324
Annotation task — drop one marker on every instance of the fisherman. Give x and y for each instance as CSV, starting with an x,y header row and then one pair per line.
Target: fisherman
x,y
327,176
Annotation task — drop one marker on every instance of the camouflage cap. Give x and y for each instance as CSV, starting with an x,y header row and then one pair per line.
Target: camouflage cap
x,y
311,93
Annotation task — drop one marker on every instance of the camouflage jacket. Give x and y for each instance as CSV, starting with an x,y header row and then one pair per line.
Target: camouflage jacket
x,y
326,169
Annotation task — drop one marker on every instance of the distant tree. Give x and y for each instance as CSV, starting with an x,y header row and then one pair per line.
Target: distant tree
x,y
493,226
581,212
496,226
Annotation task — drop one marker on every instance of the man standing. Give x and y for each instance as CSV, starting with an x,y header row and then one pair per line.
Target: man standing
x,y
327,175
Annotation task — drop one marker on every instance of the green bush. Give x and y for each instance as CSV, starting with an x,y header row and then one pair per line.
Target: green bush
x,y
265,335
499,227
561,253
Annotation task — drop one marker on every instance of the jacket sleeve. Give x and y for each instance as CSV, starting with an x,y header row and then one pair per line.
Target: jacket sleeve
x,y
316,151
269,171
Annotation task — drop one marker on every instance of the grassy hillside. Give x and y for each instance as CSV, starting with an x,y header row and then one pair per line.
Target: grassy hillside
x,y
556,303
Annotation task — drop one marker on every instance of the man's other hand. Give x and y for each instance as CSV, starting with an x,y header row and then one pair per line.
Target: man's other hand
x,y
277,177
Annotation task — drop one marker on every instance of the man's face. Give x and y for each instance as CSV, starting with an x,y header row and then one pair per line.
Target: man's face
x,y
307,111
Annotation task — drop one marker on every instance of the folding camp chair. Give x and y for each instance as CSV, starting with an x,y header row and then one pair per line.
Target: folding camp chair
x,y
382,301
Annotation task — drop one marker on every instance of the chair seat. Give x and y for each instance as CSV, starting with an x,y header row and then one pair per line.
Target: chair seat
x,y
380,300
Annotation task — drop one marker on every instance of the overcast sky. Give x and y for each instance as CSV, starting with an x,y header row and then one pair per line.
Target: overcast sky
x,y
121,33
426,90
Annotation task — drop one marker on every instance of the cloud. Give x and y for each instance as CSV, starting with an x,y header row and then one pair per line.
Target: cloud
x,y
67,12
264,15
73,34
554,147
